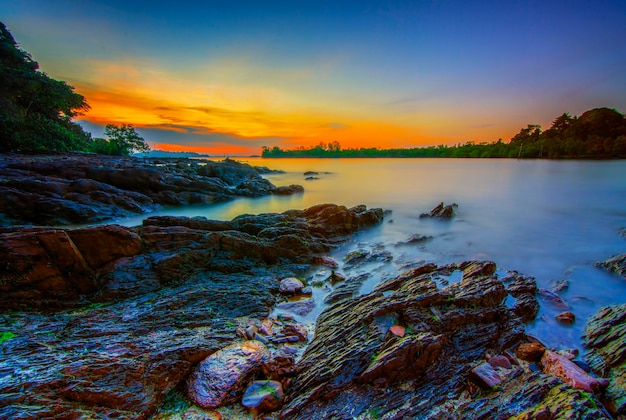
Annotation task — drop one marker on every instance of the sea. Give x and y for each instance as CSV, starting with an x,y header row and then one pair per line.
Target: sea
x,y
550,219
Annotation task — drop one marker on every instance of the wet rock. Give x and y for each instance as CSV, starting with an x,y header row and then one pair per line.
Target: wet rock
x,y
298,307
605,338
553,299
478,269
615,264
531,352
524,290
566,370
441,211
289,190
280,367
360,257
485,375
500,361
415,239
560,285
290,286
263,396
567,318
220,378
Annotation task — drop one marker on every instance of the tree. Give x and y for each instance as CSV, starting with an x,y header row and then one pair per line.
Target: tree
x,y
36,111
124,140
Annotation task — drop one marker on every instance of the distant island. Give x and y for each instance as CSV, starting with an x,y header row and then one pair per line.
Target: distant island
x,y
599,133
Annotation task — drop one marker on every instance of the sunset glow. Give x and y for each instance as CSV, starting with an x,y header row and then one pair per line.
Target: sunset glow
x,y
229,79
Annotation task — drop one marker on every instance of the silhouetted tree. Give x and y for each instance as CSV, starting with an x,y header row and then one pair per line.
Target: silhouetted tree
x,y
36,111
123,140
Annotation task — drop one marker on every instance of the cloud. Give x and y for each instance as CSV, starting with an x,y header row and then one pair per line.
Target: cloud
x,y
336,126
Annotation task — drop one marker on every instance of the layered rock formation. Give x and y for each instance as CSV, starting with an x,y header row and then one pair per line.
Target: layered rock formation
x,y
411,349
75,189
142,306
54,268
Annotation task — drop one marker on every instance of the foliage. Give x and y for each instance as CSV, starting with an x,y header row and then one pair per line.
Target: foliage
x,y
6,335
36,111
121,141
598,133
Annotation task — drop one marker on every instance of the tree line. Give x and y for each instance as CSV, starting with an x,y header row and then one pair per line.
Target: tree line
x,y
599,133
36,111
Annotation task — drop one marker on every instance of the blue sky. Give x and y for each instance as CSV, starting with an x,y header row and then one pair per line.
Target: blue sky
x,y
205,75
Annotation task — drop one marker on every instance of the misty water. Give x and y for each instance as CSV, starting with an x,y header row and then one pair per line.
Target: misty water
x,y
548,219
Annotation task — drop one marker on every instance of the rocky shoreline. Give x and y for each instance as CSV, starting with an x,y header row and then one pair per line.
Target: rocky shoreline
x,y
76,189
194,318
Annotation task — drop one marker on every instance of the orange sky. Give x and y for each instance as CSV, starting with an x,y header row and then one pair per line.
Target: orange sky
x,y
232,77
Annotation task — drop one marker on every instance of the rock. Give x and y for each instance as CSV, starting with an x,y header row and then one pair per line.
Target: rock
x,y
289,190
299,307
567,318
486,376
568,372
531,352
475,269
500,361
553,299
560,285
280,367
415,238
398,330
263,396
441,211
220,378
615,264
605,338
296,330
290,286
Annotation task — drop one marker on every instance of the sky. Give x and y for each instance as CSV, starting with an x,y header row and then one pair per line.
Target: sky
x,y
228,77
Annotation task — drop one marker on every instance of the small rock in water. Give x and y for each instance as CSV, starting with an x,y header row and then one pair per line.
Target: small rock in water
x,y
263,396
486,376
566,318
441,211
553,299
560,285
531,352
290,286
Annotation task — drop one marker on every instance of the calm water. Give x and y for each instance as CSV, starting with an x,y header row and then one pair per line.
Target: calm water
x,y
548,219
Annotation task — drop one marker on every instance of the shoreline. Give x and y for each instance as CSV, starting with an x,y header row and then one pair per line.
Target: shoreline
x,y
131,321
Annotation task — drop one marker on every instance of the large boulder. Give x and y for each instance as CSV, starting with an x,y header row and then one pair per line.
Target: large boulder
x,y
221,378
